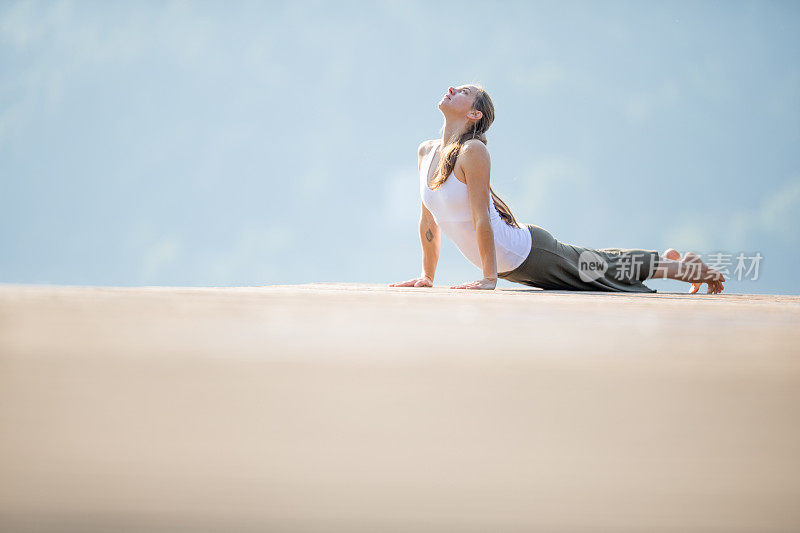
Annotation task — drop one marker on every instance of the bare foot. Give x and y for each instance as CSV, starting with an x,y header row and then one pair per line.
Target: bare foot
x,y
693,270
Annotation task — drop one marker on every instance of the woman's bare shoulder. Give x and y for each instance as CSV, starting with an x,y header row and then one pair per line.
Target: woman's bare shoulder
x,y
474,146
426,147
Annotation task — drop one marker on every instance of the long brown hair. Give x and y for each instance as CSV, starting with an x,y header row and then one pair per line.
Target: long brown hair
x,y
478,129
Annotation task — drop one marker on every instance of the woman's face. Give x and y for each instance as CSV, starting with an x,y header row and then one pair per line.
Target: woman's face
x,y
458,100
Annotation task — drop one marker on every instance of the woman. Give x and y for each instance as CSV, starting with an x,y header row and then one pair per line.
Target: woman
x,y
457,198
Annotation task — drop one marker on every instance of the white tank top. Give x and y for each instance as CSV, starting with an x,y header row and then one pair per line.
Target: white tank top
x,y
449,205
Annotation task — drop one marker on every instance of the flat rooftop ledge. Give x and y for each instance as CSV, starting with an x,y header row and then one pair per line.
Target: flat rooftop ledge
x,y
362,407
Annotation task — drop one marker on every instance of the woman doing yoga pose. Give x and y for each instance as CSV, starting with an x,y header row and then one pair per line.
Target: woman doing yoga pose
x,y
457,199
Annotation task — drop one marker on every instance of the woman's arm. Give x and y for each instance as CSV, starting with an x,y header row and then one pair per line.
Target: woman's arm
x,y
476,165
473,159
430,236
429,232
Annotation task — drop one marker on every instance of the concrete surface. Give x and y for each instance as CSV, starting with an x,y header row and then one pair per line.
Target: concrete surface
x,y
346,407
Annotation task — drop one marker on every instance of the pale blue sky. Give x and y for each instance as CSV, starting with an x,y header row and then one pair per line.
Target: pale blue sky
x,y
246,143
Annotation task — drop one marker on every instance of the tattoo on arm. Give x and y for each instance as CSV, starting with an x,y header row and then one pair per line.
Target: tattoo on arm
x,y
429,235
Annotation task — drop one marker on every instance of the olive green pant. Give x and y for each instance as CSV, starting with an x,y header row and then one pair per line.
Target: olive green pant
x,y
555,265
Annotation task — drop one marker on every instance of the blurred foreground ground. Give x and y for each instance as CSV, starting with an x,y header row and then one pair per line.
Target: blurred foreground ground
x,y
345,407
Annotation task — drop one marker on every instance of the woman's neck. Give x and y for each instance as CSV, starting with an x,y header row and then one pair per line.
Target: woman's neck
x,y
452,127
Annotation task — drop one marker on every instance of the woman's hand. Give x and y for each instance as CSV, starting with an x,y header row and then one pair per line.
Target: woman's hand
x,y
485,283
416,282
